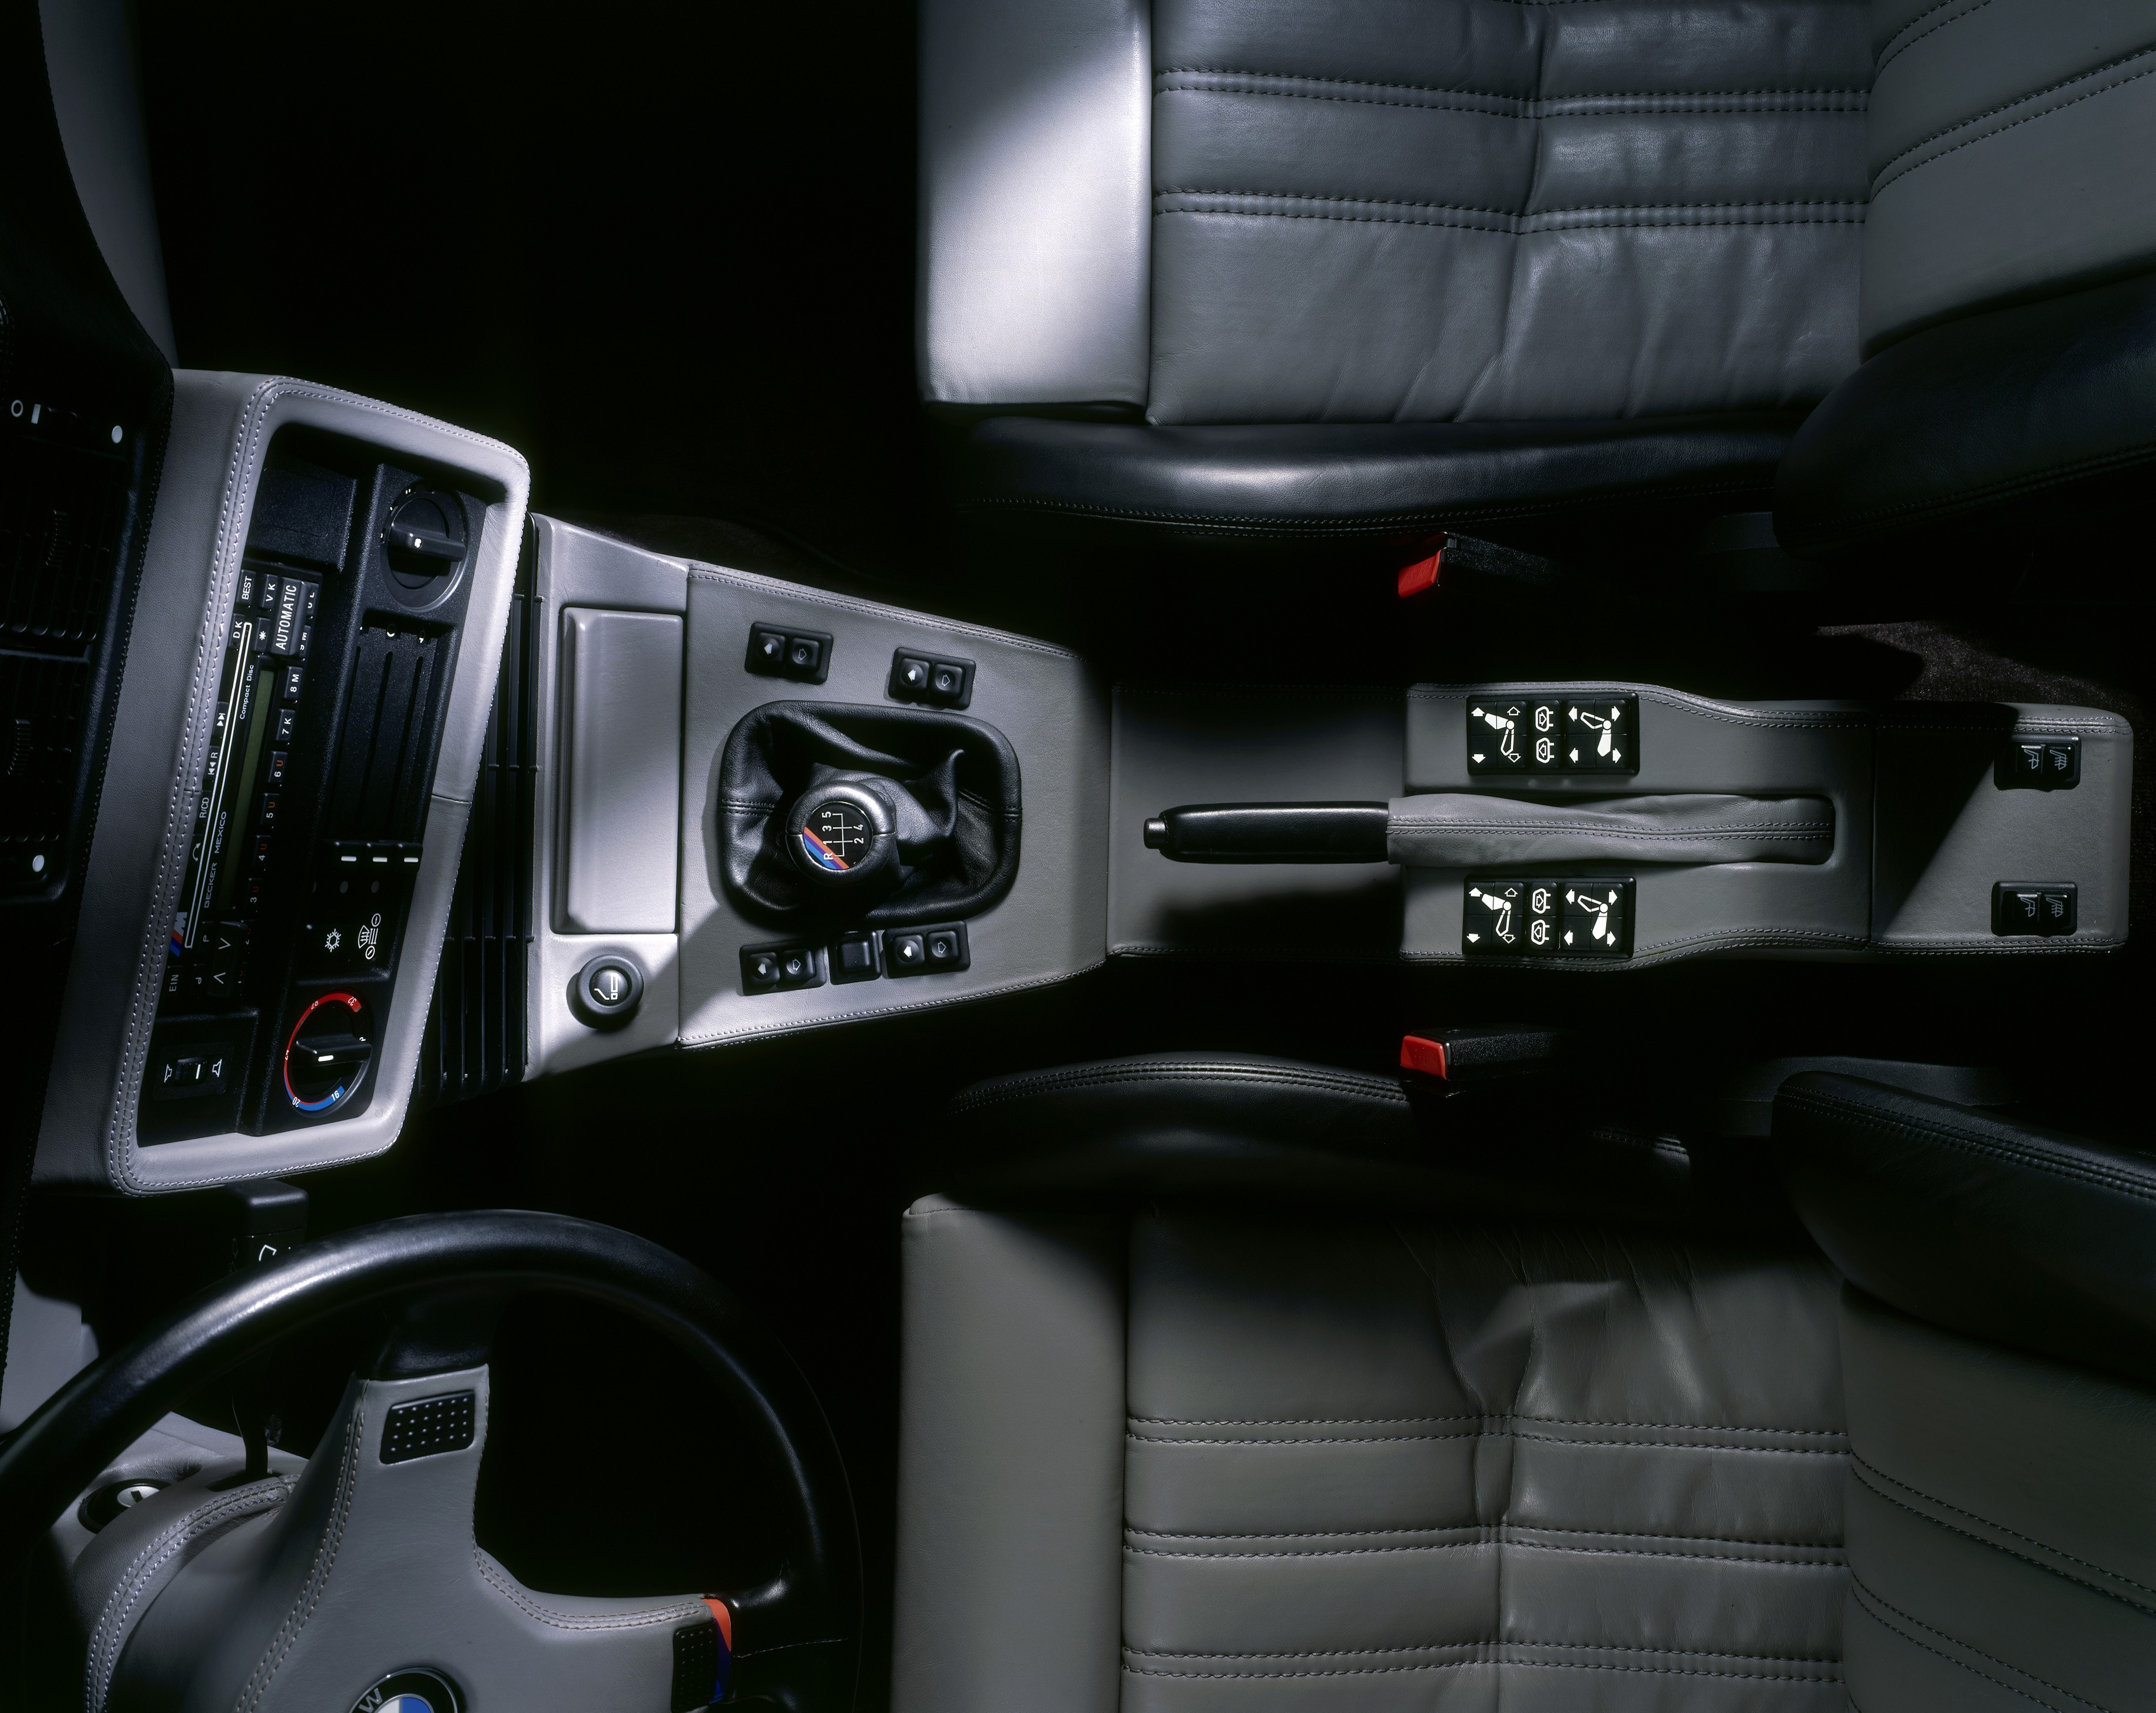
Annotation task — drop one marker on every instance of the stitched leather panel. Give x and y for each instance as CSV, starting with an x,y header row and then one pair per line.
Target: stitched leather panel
x,y
1979,411
1481,210
2002,1526
1995,1229
1379,1466
2005,148
1462,830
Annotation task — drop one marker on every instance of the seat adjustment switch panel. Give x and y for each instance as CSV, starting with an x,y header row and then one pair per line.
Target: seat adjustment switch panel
x,y
1553,735
1546,918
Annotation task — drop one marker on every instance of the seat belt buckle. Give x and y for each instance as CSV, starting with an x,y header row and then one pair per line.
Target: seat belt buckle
x,y
1428,572
1462,1057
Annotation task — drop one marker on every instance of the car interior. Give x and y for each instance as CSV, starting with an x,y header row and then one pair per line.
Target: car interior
x,y
1171,856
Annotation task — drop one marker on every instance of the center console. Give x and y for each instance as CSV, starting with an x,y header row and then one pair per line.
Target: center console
x,y
714,806
293,759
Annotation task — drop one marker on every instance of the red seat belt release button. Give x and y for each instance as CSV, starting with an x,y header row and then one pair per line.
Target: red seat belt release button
x,y
1423,574
1422,1055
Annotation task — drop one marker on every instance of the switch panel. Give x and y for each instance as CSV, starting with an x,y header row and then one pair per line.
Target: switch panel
x,y
771,969
777,652
2047,908
1554,736
930,679
2038,764
1545,918
934,950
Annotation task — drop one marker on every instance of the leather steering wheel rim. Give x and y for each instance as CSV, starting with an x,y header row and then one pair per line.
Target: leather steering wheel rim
x,y
809,1619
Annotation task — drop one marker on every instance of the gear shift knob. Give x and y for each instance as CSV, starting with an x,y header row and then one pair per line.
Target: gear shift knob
x,y
841,835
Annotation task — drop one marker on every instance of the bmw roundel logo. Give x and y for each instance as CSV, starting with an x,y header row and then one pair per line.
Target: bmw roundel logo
x,y
414,1689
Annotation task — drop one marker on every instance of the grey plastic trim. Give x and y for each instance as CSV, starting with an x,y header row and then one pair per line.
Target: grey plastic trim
x,y
620,826
576,567
222,427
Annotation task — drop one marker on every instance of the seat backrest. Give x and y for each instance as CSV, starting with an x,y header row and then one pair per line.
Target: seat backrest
x,y
1391,211
2010,145
2007,307
1999,1359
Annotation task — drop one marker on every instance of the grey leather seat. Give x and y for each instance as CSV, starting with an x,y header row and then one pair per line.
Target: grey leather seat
x,y
1999,1354
1222,1390
1267,272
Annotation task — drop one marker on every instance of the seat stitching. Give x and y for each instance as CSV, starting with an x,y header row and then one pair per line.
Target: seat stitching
x,y
1808,831
1497,1532
1464,226
1473,1664
1521,223
1869,1475
1830,1105
1886,175
1486,1642
1393,1421
1833,1563
1337,1439
1869,1596
1892,52
1524,107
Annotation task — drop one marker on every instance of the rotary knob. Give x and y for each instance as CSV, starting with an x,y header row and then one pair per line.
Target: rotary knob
x,y
841,836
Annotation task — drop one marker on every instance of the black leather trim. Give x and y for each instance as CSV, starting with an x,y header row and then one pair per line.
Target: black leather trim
x,y
1325,481
1242,1127
1995,1229
1976,414
815,1612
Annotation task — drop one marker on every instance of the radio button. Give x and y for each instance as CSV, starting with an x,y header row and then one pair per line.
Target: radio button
x,y
293,677
288,618
286,718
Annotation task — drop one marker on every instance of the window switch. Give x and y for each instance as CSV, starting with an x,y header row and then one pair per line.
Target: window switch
x,y
916,677
766,650
939,950
778,651
769,969
2046,908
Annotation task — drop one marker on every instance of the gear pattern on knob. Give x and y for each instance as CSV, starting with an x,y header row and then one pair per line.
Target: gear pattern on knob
x,y
840,834
836,836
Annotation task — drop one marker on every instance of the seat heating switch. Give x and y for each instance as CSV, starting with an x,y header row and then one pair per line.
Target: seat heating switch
x,y
2047,908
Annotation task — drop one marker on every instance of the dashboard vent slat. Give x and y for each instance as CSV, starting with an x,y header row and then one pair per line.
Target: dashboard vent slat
x,y
475,1036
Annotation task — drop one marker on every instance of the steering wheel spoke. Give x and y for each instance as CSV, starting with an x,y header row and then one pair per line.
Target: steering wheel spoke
x,y
367,1577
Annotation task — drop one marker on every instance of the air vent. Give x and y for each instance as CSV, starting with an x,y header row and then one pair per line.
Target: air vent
x,y
61,515
476,1034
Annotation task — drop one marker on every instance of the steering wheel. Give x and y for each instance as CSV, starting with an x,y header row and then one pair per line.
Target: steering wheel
x,y
360,1581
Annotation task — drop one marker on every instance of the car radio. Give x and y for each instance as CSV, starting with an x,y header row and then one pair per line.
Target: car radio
x,y
310,823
